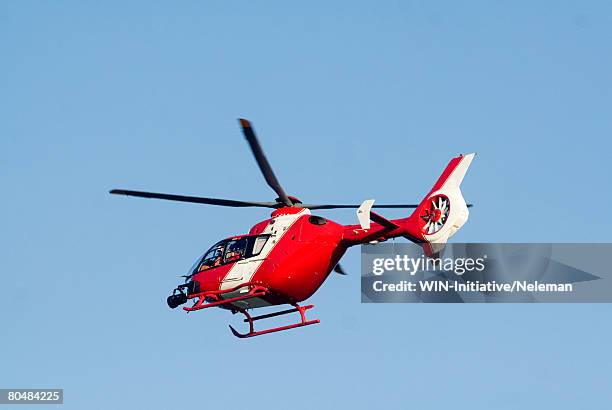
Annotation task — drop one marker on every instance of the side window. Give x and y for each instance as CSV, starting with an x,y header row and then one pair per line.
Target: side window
x,y
235,250
259,243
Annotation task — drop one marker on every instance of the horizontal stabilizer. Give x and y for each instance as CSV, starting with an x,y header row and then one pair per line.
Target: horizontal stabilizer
x,y
365,215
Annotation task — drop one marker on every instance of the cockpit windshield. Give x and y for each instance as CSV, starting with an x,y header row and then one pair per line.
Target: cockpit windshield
x,y
229,251
213,257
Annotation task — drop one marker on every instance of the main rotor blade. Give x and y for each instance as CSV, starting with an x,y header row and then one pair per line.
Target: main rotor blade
x,y
343,206
195,199
262,161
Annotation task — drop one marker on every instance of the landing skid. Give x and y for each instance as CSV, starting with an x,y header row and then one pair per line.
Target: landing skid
x,y
249,319
211,299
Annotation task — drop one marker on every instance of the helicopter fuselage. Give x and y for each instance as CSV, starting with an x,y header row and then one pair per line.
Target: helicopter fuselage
x,y
299,254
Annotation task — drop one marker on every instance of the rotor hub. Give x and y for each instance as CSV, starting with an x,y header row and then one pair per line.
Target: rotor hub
x,y
436,215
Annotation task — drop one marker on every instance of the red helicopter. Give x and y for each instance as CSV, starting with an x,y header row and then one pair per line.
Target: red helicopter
x,y
286,258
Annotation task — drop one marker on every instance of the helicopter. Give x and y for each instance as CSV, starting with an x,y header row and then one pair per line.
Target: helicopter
x,y
284,259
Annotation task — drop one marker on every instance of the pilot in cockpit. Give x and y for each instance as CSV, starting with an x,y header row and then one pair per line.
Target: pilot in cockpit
x,y
213,258
235,250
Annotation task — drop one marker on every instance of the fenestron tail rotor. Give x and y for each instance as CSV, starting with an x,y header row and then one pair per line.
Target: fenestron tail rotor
x,y
435,214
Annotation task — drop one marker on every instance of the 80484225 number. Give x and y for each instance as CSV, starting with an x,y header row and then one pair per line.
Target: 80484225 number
x,y
31,396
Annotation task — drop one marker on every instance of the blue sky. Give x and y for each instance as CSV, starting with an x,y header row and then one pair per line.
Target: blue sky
x,y
351,100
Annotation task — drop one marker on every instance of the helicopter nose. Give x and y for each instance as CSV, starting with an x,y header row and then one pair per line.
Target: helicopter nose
x,y
193,287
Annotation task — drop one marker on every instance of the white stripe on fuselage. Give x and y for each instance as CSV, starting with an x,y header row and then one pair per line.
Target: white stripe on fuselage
x,y
244,270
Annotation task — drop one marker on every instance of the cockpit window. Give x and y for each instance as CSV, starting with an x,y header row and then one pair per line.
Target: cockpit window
x,y
213,257
229,251
235,250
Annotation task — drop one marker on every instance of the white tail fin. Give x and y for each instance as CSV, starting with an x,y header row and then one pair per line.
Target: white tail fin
x,y
443,211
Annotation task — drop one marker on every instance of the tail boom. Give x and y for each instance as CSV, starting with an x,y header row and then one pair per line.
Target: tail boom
x,y
439,216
